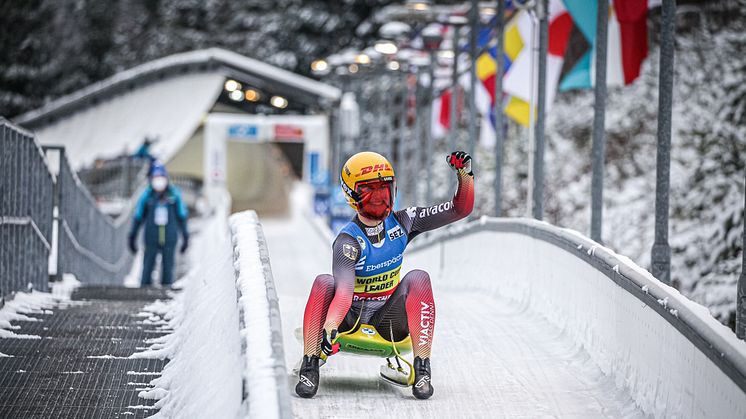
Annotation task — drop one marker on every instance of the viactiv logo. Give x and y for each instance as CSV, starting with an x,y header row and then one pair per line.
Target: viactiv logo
x,y
426,313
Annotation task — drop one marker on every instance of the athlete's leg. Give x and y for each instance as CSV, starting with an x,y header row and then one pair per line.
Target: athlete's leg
x,y
321,296
410,309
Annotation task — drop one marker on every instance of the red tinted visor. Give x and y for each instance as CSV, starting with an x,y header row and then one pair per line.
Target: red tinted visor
x,y
370,186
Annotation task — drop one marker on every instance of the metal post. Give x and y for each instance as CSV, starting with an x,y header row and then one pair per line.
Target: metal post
x,y
741,295
403,120
538,190
389,116
499,133
415,172
599,114
453,129
474,28
531,116
429,129
661,255
335,165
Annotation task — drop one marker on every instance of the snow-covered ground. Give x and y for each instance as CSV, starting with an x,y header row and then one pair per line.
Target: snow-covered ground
x,y
492,357
203,376
23,303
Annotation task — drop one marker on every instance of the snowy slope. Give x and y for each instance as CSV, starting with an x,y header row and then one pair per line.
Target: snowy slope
x,y
492,357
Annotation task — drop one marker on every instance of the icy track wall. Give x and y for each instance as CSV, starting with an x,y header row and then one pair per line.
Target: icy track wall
x,y
669,353
226,352
261,331
203,378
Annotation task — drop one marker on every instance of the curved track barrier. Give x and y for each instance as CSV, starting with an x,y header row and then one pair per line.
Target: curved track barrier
x,y
669,353
266,376
226,354
26,187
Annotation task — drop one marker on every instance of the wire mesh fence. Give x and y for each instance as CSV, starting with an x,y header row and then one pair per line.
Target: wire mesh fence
x,y
92,245
77,238
112,182
26,188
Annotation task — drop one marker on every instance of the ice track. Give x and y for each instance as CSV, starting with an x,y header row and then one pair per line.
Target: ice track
x,y
492,357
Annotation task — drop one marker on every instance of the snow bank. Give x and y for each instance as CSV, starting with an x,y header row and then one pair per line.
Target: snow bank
x,y
669,353
225,352
204,375
261,330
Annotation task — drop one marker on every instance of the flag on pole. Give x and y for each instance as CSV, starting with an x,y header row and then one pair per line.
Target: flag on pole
x,y
627,42
518,38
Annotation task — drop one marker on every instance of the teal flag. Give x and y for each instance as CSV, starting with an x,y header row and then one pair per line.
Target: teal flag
x,y
583,13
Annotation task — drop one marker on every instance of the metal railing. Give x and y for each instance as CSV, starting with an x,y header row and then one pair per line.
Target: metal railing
x,y
36,239
26,188
114,180
91,245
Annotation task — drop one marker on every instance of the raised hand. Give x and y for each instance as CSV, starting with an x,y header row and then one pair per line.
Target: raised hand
x,y
460,160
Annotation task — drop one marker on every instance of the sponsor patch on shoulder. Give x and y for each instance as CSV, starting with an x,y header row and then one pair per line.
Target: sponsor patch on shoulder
x,y
361,242
412,212
349,251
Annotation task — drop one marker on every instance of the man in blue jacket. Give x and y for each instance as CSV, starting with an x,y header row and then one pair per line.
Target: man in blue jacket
x,y
164,214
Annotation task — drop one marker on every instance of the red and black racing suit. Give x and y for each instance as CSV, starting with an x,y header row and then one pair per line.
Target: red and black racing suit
x,y
406,307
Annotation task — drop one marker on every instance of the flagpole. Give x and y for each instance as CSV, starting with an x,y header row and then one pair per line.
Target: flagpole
x,y
403,121
429,128
599,114
741,285
661,252
531,107
541,106
474,22
456,22
499,137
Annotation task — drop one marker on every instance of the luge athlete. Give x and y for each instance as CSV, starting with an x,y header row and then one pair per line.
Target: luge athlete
x,y
365,284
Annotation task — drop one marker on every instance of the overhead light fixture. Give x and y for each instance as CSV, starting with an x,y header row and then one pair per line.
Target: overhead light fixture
x,y
362,59
252,95
232,85
488,11
419,5
319,65
446,54
353,68
279,102
393,65
386,47
236,95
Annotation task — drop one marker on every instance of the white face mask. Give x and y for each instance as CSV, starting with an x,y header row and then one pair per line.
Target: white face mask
x,y
159,183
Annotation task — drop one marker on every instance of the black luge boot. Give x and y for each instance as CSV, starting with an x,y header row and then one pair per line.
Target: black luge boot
x,y
308,377
422,387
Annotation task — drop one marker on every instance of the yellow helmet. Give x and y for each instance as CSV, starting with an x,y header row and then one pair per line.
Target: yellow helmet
x,y
362,168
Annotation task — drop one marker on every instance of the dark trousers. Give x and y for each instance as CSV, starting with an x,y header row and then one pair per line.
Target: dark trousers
x,y
167,264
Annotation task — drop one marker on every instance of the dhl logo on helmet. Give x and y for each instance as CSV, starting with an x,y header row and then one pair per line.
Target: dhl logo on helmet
x,y
369,169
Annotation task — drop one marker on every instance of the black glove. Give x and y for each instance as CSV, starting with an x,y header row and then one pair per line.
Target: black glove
x,y
328,345
184,244
132,242
460,160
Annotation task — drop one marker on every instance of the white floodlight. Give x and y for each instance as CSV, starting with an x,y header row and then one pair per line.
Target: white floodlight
x,y
236,95
232,85
386,47
279,102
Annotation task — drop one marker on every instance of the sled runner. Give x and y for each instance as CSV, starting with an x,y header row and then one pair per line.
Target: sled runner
x,y
363,339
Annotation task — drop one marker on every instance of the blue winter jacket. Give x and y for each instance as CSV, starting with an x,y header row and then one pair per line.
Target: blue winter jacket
x,y
172,216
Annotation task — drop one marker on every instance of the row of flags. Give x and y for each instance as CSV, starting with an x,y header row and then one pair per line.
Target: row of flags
x,y
570,57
